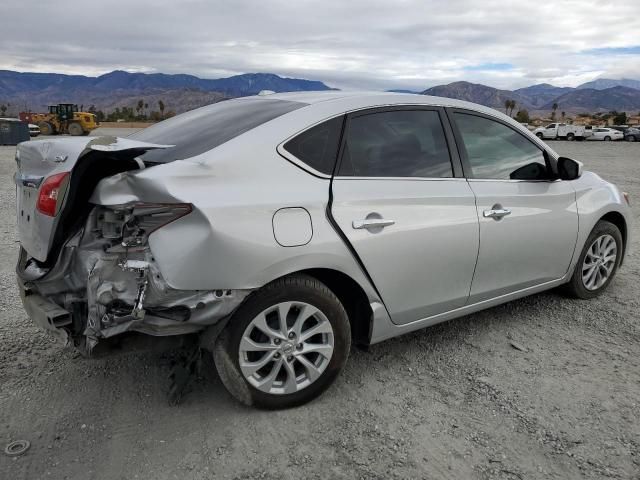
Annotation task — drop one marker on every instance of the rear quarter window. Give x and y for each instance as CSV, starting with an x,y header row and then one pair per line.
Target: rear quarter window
x,y
205,128
318,146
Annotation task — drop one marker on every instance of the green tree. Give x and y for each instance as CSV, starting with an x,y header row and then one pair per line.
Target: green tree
x,y
139,106
3,109
554,107
161,107
620,118
563,114
509,106
522,116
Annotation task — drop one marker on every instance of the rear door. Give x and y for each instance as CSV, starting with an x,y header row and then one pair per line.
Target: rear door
x,y
528,219
400,200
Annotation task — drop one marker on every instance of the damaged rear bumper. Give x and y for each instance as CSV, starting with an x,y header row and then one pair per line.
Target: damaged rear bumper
x,y
104,285
45,313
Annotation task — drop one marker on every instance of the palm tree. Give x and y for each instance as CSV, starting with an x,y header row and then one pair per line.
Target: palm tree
x,y
554,107
513,106
139,107
507,104
3,109
161,107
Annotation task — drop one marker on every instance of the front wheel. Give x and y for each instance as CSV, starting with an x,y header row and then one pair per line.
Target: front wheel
x,y
285,345
607,139
539,135
598,262
631,138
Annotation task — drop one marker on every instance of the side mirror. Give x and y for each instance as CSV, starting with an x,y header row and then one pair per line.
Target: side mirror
x,y
569,169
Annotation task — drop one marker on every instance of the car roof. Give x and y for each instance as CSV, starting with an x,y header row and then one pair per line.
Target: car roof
x,y
353,100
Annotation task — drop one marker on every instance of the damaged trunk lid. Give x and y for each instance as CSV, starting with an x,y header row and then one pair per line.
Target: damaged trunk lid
x,y
54,181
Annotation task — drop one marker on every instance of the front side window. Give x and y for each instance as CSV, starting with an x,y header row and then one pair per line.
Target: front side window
x,y
402,143
495,151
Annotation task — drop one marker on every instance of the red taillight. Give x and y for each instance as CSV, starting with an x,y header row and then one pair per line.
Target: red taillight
x,y
51,191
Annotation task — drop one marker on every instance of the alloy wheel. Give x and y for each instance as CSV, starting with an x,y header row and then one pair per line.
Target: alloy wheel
x,y
599,262
286,348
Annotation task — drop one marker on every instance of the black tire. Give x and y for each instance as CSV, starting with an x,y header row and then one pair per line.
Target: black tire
x,y
539,135
75,129
302,288
576,287
607,138
631,138
46,128
570,137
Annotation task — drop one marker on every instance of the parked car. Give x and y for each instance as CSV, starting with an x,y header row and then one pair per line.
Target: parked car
x,y
34,130
283,228
632,134
606,134
562,131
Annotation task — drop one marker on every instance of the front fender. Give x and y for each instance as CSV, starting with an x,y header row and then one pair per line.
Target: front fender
x,y
596,198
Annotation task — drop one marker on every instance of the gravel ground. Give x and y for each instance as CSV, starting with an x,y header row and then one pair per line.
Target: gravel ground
x,y
453,401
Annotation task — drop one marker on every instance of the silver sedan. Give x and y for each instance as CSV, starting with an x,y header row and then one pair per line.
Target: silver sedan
x,y
280,229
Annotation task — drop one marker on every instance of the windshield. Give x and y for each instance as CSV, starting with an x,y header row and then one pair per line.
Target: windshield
x,y
205,128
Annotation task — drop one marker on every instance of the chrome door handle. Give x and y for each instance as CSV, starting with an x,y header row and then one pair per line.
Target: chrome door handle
x,y
372,223
496,213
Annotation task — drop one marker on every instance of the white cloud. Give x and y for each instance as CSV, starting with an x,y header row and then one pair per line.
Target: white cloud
x,y
355,44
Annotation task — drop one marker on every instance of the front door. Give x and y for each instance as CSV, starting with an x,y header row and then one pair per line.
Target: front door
x,y
411,222
528,220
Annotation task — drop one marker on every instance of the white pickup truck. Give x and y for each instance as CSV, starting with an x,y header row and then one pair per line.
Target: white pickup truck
x,y
563,131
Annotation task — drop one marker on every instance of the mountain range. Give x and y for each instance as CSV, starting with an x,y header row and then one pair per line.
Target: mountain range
x,y
181,92
591,97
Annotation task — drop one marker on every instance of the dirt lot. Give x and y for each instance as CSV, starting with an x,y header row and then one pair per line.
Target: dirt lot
x,y
455,401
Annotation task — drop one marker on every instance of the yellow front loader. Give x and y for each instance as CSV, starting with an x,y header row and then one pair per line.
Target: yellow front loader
x,y
64,118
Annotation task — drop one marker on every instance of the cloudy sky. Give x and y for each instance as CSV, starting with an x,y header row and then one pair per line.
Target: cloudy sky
x,y
345,43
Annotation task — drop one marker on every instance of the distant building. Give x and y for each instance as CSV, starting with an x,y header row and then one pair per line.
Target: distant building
x,y
633,120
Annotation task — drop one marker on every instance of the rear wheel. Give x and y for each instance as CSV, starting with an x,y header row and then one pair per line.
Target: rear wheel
x,y
570,137
46,128
631,138
598,262
285,345
75,129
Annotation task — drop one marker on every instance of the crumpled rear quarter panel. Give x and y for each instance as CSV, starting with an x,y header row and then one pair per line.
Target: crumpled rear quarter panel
x,y
227,242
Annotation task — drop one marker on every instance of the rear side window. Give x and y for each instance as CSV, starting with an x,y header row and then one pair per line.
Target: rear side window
x,y
495,151
318,146
205,128
402,143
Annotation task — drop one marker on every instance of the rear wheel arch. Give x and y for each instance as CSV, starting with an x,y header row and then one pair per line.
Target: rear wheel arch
x,y
353,298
